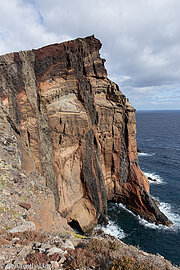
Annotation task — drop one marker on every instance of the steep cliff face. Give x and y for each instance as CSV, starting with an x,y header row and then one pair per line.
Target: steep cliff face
x,y
80,129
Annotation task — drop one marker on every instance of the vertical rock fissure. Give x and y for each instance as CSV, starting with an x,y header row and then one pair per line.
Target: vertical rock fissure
x,y
84,94
112,165
28,61
29,137
93,177
124,159
13,108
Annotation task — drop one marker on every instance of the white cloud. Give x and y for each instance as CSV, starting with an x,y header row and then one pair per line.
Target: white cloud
x,y
21,27
141,39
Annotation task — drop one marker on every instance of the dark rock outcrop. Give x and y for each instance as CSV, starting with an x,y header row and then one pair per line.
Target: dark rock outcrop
x,y
79,128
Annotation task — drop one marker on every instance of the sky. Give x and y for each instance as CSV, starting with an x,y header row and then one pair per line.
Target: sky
x,y
141,40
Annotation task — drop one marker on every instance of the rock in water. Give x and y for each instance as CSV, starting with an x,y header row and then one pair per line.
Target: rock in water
x,y
80,129
152,179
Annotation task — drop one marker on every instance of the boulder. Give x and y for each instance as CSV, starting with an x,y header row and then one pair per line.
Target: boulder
x,y
26,226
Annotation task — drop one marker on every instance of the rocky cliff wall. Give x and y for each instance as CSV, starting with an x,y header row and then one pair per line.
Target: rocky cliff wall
x,y
79,128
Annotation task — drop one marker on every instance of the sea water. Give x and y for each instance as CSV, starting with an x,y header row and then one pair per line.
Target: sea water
x,y
158,139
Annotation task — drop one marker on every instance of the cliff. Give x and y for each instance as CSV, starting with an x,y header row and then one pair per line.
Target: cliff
x,y
79,128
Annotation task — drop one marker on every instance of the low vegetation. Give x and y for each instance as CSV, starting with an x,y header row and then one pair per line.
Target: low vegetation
x,y
98,252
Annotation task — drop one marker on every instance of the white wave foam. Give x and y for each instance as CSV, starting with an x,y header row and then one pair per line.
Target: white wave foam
x,y
113,230
142,221
145,154
156,179
167,210
124,207
147,224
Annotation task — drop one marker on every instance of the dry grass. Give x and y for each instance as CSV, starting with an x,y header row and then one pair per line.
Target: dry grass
x,y
23,238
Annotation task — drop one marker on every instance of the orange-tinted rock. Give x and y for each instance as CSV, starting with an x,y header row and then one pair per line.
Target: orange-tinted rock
x,y
80,129
25,205
34,221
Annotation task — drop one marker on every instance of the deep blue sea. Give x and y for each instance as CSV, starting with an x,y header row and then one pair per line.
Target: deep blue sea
x,y
158,137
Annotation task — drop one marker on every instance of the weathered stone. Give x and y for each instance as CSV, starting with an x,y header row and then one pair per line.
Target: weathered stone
x,y
55,265
25,205
26,226
9,266
36,246
10,149
68,244
54,250
15,239
45,246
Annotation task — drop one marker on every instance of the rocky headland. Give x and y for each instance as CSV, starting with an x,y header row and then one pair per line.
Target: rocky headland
x,y
67,145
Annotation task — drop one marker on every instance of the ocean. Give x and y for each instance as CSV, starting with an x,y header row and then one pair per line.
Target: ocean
x,y
158,139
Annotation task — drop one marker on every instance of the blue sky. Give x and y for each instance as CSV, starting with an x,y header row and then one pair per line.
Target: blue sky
x,y
141,40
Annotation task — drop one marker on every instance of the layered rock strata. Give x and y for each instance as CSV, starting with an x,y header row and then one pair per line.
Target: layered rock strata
x,y
79,128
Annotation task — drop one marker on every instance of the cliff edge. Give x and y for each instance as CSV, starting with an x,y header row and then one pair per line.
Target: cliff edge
x,y
80,130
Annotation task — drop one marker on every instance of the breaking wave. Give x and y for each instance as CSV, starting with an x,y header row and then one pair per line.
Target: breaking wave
x,y
124,207
145,154
113,229
149,140
156,179
167,209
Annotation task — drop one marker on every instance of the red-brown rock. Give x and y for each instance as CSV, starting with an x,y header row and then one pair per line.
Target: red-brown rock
x,y
25,205
80,129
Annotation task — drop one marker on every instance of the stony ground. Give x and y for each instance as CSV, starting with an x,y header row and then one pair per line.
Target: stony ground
x,y
36,250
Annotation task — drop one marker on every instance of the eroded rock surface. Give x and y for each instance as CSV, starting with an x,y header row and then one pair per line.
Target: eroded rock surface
x,y
25,202
80,130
